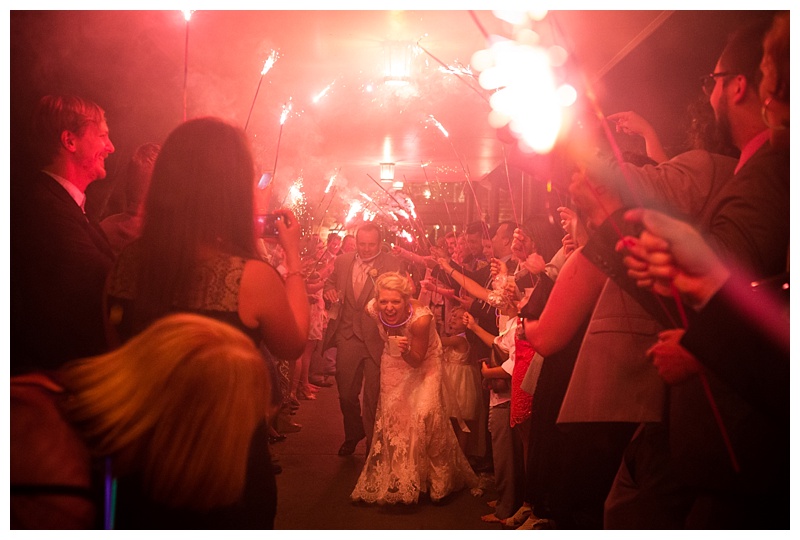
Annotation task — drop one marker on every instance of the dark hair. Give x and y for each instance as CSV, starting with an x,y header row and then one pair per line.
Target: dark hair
x,y
743,52
476,227
509,229
535,305
546,235
136,177
776,47
201,195
55,115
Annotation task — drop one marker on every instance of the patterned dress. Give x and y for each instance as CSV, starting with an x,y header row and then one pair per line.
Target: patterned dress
x,y
414,448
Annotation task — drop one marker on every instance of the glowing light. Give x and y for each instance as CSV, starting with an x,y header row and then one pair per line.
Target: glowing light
x,y
387,152
511,17
271,59
406,236
549,186
330,182
368,214
187,14
438,125
355,208
368,88
526,98
426,193
322,94
567,95
287,108
296,195
397,184
558,55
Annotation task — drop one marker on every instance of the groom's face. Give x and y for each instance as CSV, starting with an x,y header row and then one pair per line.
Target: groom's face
x,y
368,243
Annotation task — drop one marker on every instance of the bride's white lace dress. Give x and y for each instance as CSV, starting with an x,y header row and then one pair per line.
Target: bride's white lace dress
x,y
413,448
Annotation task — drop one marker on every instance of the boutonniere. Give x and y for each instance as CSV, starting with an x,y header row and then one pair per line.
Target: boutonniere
x,y
373,273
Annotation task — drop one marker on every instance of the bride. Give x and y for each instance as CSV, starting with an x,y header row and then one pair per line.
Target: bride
x,y
414,448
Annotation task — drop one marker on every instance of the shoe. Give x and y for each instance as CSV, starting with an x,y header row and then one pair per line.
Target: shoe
x,y
302,394
491,518
321,381
289,427
348,447
534,522
277,438
519,517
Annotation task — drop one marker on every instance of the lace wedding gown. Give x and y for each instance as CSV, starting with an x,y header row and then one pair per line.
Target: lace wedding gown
x,y
414,448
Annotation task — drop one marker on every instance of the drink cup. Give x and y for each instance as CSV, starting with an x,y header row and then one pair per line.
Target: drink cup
x,y
394,345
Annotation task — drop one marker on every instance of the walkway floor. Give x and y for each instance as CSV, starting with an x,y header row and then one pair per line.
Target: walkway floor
x,y
314,487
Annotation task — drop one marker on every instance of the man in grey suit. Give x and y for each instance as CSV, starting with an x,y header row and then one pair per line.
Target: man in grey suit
x,y
355,334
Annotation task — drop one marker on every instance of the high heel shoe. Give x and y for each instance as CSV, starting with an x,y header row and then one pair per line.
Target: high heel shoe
x,y
302,394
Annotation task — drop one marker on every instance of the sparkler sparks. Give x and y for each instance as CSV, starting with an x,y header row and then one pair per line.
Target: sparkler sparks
x,y
287,108
270,61
527,96
438,125
323,93
330,182
355,208
187,14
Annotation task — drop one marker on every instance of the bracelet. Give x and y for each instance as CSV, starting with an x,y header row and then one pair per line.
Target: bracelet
x,y
295,273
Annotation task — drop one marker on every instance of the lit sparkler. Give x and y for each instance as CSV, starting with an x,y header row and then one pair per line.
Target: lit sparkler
x,y
438,125
287,107
271,59
187,15
323,93
330,182
355,207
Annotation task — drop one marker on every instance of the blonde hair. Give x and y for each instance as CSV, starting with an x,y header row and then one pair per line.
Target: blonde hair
x,y
177,406
394,281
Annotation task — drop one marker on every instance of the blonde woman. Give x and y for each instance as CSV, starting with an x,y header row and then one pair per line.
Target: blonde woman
x,y
178,414
414,448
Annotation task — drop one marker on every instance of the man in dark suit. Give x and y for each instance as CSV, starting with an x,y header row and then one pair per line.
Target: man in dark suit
x,y
355,334
59,259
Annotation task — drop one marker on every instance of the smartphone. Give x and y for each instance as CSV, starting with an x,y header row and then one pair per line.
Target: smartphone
x,y
265,225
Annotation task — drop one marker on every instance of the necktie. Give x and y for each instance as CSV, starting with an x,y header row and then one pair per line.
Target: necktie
x,y
359,277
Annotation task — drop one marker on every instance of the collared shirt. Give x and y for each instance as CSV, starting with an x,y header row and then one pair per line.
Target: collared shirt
x,y
751,148
360,271
77,195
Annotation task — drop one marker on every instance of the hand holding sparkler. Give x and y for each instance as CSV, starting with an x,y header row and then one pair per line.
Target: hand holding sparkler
x,y
499,268
670,253
534,263
521,245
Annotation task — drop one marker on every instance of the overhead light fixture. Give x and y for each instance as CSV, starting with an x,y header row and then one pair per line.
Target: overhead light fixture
x,y
387,172
397,62
397,185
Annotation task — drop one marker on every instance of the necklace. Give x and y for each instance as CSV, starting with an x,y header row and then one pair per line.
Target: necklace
x,y
410,313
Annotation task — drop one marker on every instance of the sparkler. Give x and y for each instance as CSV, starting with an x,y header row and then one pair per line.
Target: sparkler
x,y
271,59
449,69
322,94
287,107
400,208
441,192
466,173
187,15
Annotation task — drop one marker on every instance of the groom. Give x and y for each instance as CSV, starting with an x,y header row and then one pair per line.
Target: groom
x,y
355,334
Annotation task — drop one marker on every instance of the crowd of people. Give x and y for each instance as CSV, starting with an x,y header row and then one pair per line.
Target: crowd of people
x,y
627,368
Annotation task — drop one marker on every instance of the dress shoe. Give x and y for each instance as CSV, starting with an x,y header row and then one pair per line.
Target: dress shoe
x,y
348,447
287,426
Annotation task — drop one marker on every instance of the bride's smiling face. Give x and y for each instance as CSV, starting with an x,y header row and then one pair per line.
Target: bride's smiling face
x,y
392,305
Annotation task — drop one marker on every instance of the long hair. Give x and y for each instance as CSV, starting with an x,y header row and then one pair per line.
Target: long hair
x,y
176,407
200,196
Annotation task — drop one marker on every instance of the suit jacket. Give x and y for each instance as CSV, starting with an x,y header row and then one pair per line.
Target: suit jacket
x,y
363,326
59,263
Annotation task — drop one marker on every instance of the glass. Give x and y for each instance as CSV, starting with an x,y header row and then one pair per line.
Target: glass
x,y
710,80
